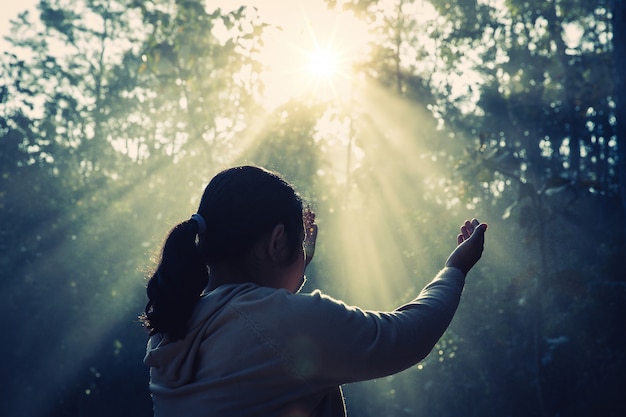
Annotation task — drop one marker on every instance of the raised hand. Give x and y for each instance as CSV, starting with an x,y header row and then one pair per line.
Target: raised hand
x,y
471,242
310,237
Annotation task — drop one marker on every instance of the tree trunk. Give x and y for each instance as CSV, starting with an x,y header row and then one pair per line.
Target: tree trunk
x,y
619,59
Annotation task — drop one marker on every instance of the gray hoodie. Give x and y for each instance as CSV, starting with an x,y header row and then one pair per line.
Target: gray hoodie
x,y
258,351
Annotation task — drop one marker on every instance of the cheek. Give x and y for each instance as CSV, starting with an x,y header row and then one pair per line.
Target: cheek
x,y
301,259
299,274
299,264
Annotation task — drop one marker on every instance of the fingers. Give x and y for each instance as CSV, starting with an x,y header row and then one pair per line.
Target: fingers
x,y
470,248
311,234
309,242
467,230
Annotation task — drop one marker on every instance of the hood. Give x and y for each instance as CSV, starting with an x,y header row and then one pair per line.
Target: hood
x,y
172,364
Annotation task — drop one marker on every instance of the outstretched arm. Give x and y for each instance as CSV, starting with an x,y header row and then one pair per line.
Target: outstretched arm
x,y
373,344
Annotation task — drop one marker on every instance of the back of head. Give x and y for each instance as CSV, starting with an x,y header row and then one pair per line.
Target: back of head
x,y
239,206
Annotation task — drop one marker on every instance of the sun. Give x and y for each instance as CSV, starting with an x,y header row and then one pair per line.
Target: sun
x,y
323,63
309,51
324,73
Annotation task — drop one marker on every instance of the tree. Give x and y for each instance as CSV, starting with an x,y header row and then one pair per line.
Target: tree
x,y
94,127
545,127
287,143
536,112
619,59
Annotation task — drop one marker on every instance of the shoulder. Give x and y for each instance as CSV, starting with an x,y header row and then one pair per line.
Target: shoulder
x,y
259,301
275,312
269,299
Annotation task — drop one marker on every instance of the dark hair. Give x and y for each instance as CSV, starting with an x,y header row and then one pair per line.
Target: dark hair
x,y
239,206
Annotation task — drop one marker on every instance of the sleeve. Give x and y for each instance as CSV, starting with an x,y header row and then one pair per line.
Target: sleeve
x,y
333,343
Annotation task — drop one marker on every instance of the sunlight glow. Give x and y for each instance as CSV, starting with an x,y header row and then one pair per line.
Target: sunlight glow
x,y
311,54
381,266
309,50
323,63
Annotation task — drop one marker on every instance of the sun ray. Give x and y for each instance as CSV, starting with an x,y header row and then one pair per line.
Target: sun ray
x,y
85,309
385,251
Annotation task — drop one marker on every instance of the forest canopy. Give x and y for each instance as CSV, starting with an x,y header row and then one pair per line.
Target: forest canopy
x,y
395,119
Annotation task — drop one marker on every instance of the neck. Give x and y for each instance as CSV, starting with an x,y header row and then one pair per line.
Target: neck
x,y
224,274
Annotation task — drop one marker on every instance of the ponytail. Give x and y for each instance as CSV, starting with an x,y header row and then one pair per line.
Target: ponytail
x,y
176,286
238,206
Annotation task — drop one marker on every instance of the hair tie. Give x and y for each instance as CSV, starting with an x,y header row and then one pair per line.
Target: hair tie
x,y
201,223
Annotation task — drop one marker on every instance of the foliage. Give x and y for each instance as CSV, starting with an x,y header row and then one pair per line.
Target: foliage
x,y
539,123
287,143
88,152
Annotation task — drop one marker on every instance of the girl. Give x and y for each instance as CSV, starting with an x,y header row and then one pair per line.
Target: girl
x,y
231,336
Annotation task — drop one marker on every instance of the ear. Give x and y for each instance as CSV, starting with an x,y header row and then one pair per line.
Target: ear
x,y
278,244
